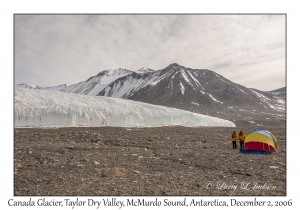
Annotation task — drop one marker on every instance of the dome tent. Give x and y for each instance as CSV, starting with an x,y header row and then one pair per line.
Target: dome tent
x,y
261,141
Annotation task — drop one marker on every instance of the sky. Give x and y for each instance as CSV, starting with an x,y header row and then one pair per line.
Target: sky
x,y
56,49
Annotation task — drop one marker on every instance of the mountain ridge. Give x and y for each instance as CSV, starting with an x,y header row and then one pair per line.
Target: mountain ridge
x,y
198,90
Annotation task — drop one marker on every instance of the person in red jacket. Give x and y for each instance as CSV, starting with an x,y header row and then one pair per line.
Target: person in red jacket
x,y
234,137
242,139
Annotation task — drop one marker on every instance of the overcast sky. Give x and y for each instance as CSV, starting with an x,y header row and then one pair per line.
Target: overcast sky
x,y
66,49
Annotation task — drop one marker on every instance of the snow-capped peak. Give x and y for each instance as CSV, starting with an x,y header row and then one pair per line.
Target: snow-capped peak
x,y
118,71
145,70
95,84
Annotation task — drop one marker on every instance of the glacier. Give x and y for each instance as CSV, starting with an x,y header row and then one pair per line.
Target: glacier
x,y
48,108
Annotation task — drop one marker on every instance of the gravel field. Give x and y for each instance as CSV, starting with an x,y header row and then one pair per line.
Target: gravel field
x,y
161,161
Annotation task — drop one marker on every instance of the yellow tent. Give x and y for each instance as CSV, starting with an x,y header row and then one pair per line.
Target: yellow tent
x,y
261,140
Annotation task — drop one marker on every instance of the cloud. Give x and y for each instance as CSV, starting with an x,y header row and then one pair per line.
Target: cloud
x,y
56,49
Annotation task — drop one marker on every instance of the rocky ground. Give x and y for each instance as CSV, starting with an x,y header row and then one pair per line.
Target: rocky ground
x,y
85,161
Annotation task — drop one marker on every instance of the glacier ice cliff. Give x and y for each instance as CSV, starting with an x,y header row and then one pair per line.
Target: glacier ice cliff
x,y
42,108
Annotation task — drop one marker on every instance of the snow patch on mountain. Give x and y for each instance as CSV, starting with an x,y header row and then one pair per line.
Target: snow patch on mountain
x,y
215,99
195,103
174,75
155,81
126,88
241,90
54,108
97,83
276,103
131,84
185,76
108,78
182,88
195,80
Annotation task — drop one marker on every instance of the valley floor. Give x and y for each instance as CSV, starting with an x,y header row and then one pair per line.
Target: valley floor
x,y
175,161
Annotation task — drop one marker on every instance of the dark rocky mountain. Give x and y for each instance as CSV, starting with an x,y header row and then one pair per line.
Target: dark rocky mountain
x,y
281,93
198,90
278,93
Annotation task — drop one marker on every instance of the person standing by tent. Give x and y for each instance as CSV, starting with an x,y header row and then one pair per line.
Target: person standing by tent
x,y
242,139
234,137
